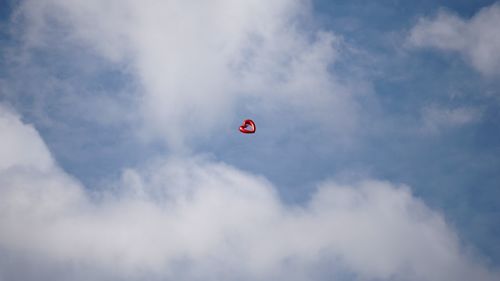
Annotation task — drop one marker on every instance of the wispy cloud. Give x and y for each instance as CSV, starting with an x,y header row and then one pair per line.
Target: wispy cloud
x,y
476,39
435,119
196,64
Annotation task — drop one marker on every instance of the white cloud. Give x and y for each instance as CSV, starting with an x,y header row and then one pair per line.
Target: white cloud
x,y
436,118
192,219
476,39
22,145
200,62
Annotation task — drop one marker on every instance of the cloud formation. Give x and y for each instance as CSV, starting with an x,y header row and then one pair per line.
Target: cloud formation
x,y
22,146
476,39
191,219
436,118
197,63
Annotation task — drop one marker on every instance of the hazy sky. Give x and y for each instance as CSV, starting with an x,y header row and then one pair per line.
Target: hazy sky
x,y
376,156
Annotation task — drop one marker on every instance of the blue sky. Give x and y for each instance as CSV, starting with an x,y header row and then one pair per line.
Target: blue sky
x,y
366,95
456,171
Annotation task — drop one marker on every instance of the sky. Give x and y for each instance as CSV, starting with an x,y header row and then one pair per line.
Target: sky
x,y
376,154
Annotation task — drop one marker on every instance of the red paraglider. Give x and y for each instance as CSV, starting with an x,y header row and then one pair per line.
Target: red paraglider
x,y
248,123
